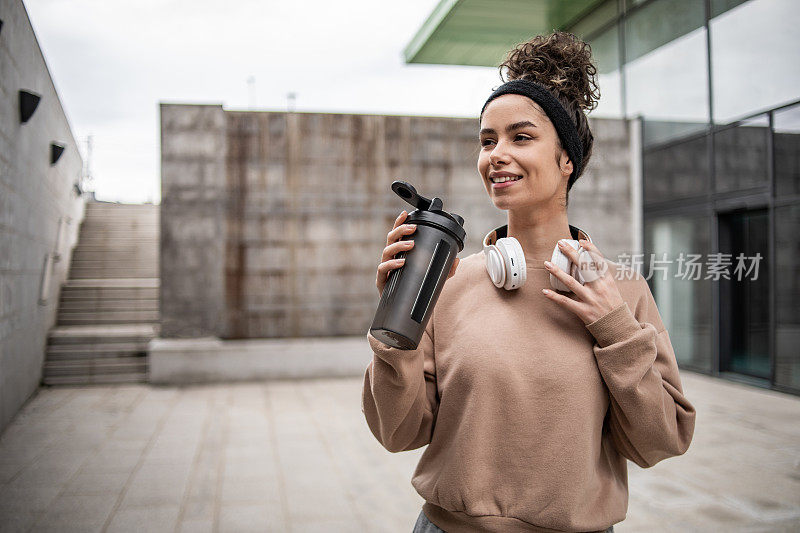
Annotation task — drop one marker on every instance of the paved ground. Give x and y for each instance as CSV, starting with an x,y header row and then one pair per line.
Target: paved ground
x,y
298,456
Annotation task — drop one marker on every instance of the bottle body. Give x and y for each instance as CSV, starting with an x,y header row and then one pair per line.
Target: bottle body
x,y
412,290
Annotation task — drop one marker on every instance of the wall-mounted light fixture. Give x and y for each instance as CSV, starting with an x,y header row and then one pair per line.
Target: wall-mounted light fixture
x,y
28,102
56,149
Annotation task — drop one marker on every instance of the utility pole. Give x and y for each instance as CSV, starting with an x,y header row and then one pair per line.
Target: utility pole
x,y
251,84
88,179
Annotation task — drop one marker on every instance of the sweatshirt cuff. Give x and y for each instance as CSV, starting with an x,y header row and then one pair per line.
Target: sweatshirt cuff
x,y
615,326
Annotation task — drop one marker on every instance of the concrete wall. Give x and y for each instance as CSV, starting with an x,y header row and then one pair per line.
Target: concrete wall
x,y
35,199
194,203
307,205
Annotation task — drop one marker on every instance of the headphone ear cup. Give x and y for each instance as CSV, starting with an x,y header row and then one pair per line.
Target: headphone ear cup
x,y
514,262
495,266
563,262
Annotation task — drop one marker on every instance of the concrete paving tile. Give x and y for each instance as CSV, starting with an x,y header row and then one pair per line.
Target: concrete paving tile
x,y
109,461
250,489
198,509
196,526
342,525
154,485
34,499
742,465
93,482
17,519
260,467
71,512
10,470
149,518
244,517
35,476
314,502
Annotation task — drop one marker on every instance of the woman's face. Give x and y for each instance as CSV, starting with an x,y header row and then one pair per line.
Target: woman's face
x,y
519,141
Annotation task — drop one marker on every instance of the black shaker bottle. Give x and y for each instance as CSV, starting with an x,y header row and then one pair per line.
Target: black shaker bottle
x,y
411,291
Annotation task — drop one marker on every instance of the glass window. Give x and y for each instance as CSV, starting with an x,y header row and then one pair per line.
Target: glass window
x,y
787,296
787,151
595,19
676,171
605,51
684,303
666,69
753,47
740,155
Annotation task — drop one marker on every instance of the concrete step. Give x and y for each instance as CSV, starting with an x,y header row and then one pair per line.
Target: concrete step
x,y
97,305
103,334
118,283
103,365
112,262
57,352
114,273
118,317
100,254
112,244
101,379
109,293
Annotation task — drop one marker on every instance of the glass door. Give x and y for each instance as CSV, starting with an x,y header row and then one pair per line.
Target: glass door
x,y
744,308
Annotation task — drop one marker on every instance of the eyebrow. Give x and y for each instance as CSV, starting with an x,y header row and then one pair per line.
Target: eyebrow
x,y
510,127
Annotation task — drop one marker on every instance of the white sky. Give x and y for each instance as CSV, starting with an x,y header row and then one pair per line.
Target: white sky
x,y
112,62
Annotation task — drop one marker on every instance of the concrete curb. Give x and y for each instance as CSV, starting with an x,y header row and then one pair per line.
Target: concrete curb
x,y
213,360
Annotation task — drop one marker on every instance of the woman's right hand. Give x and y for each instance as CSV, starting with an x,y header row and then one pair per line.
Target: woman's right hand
x,y
394,245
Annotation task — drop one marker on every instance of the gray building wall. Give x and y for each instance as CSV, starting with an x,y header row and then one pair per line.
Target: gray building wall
x,y
284,238
36,199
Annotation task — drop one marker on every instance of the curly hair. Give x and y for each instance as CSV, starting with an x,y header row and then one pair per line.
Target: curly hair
x,y
563,64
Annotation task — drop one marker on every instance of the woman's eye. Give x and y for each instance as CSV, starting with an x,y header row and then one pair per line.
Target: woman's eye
x,y
486,142
521,137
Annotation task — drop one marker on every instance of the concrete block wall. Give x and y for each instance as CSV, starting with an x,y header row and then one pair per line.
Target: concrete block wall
x,y
193,210
308,204
36,198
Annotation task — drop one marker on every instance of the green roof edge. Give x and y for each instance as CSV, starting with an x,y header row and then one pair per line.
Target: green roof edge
x,y
434,20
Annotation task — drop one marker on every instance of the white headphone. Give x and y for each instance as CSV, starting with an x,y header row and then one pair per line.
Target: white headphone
x,y
505,261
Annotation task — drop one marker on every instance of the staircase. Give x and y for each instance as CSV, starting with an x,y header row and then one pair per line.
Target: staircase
x,y
108,309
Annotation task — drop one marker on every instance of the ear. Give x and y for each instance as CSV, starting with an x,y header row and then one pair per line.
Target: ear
x,y
565,164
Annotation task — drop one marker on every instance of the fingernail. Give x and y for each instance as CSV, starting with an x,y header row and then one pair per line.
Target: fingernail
x,y
545,291
548,264
561,243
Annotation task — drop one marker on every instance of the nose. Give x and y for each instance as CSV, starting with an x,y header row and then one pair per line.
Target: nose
x,y
498,155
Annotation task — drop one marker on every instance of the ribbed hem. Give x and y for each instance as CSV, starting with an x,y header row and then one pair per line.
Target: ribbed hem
x,y
458,522
615,326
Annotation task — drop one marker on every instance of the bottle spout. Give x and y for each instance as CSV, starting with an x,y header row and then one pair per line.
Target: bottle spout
x,y
407,192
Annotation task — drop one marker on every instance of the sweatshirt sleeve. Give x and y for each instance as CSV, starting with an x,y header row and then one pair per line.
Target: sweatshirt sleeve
x,y
399,397
649,417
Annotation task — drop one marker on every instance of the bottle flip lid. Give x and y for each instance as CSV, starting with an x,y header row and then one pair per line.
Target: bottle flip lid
x,y
430,211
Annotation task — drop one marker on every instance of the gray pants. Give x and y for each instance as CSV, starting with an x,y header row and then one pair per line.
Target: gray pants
x,y
424,525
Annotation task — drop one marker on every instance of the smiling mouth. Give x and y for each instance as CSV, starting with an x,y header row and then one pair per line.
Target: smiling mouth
x,y
505,179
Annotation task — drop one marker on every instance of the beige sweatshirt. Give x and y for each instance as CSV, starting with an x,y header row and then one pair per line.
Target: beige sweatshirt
x,y
529,415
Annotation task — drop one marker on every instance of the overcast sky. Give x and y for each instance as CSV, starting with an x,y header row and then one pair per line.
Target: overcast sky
x,y
113,62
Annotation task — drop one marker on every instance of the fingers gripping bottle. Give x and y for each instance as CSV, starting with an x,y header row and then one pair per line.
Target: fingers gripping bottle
x,y
411,291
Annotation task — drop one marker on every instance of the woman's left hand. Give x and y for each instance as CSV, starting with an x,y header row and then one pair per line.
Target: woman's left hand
x,y
595,298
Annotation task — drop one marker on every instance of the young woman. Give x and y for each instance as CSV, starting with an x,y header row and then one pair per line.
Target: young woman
x,y
531,399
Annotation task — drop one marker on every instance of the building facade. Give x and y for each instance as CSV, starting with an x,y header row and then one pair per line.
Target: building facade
x,y
716,88
41,206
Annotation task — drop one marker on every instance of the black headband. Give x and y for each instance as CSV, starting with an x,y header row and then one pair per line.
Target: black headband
x,y
565,128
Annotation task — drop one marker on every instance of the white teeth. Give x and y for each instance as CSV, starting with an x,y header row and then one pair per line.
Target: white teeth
x,y
505,179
